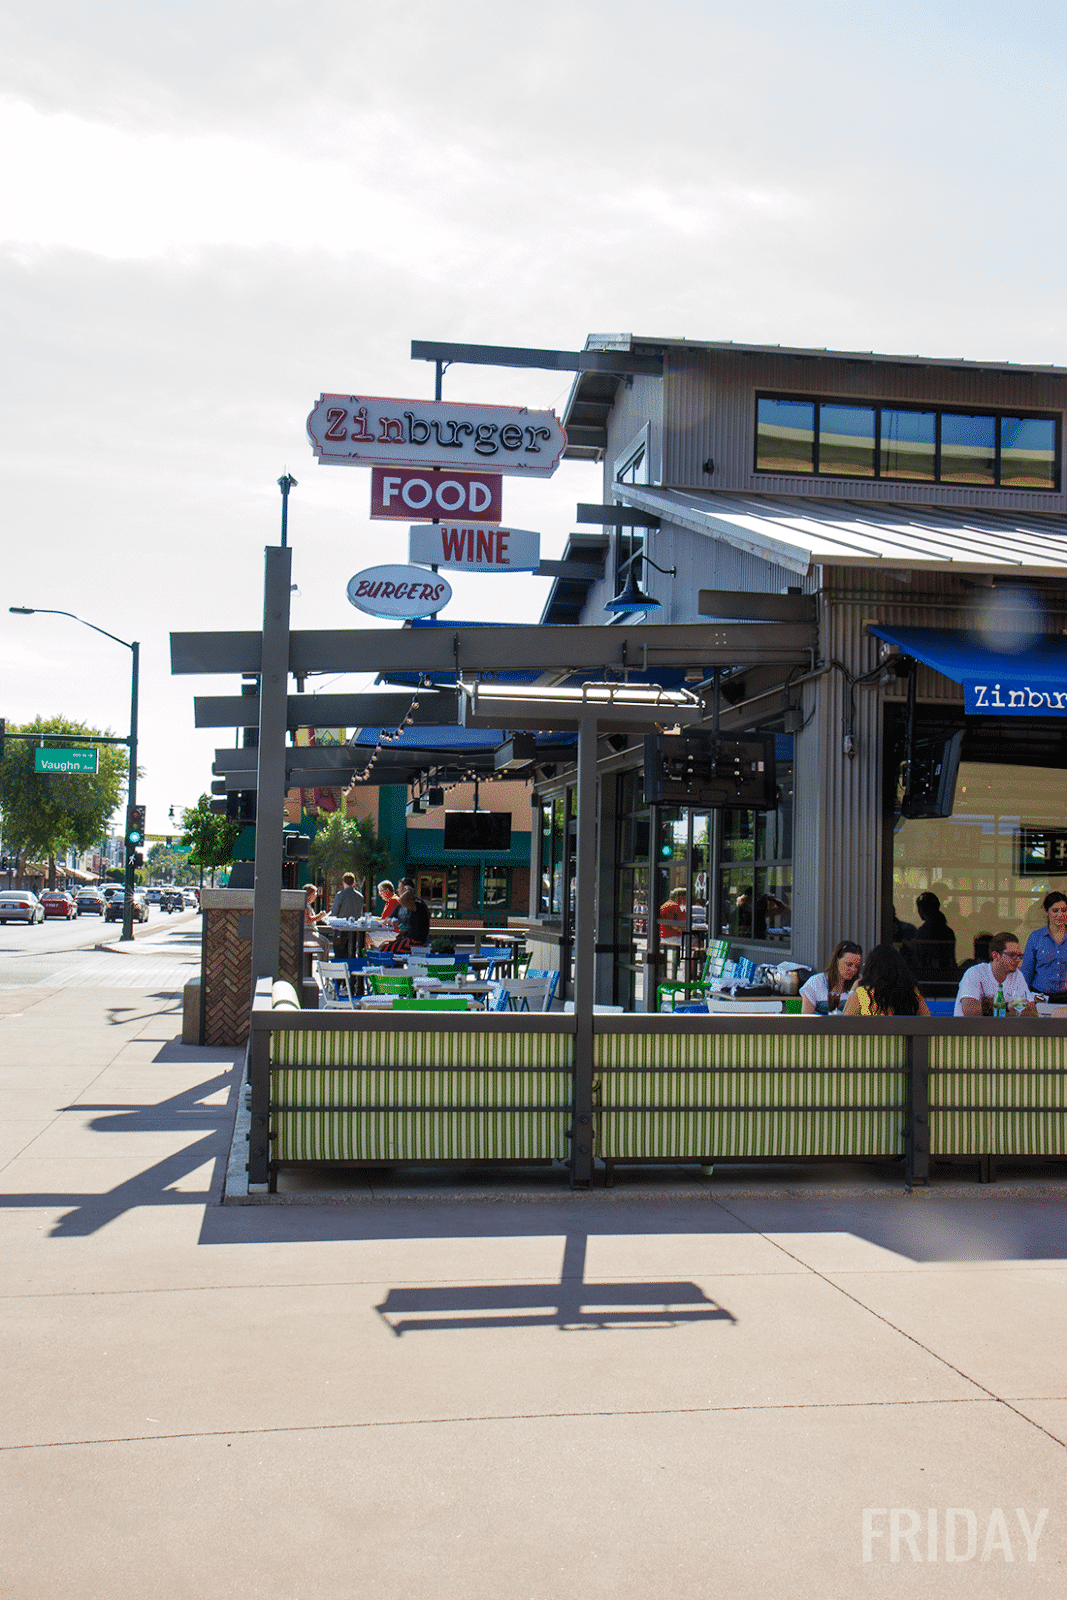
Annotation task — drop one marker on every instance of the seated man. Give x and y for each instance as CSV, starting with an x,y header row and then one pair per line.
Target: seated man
x,y
979,984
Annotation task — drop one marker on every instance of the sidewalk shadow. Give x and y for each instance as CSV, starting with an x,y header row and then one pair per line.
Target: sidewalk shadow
x,y
571,1305
153,1185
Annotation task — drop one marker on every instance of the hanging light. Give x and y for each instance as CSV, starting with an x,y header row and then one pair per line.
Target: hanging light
x,y
632,597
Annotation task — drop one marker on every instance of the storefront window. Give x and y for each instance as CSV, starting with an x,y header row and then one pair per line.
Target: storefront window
x,y
991,862
496,887
756,874
438,887
550,895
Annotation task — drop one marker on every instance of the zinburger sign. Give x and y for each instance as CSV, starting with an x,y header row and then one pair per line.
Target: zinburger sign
x,y
399,591
358,431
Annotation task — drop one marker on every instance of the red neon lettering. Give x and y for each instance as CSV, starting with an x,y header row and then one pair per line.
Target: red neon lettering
x,y
335,416
360,431
452,542
485,545
392,430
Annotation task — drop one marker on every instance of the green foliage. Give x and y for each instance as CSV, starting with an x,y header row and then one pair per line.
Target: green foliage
x,y
167,867
211,838
344,844
47,813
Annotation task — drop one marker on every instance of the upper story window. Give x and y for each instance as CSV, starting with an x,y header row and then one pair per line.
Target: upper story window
x,y
839,439
630,542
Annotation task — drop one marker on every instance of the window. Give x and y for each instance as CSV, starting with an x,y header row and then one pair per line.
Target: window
x,y
553,826
437,886
496,888
629,541
840,439
756,872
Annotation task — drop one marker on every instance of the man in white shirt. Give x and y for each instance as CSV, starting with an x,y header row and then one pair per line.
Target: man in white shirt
x,y
1001,971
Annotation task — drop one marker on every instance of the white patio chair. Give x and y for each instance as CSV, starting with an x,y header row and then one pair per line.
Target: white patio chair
x,y
335,986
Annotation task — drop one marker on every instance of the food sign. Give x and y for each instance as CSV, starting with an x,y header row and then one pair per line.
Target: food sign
x,y
472,496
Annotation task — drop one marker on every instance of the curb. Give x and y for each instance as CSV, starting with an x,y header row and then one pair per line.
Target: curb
x,y
118,947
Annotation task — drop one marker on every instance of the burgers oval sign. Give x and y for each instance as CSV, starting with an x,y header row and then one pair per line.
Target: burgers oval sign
x,y
399,591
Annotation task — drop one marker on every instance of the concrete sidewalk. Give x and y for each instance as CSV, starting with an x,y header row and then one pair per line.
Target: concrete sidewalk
x,y
661,1389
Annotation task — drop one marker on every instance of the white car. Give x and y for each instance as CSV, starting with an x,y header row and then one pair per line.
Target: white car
x,y
20,905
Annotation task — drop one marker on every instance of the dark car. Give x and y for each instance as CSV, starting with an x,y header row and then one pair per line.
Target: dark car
x,y
171,900
90,902
58,903
116,906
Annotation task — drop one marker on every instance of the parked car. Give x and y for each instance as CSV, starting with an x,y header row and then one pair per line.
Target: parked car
x,y
58,903
90,902
116,906
191,900
20,905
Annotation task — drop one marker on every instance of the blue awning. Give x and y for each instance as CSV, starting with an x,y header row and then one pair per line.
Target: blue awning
x,y
1031,682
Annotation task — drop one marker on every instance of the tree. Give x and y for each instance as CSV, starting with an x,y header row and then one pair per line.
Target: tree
x,y
211,838
46,813
344,844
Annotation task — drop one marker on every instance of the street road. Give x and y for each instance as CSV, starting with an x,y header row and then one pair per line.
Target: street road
x,y
88,952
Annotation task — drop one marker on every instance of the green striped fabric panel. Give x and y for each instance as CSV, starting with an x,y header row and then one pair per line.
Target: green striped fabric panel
x,y
420,1135
1010,1082
711,1134
415,1130
784,1075
436,1050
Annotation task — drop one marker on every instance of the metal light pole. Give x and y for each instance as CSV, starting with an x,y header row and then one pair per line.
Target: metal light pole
x,y
131,793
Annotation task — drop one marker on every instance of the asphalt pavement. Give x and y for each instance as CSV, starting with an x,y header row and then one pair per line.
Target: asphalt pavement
x,y
525,1396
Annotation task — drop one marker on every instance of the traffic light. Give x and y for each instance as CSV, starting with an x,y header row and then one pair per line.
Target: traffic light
x,y
134,826
138,859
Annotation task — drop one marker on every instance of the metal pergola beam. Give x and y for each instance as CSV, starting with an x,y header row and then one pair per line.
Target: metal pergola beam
x,y
486,649
620,363
386,710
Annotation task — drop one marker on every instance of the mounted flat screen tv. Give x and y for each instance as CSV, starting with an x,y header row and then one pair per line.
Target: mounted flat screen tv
x,y
700,769
930,786
477,830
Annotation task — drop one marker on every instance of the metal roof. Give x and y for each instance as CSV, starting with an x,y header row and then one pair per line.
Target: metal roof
x,y
799,533
641,343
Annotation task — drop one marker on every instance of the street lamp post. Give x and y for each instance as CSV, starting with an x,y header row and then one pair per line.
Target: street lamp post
x,y
131,794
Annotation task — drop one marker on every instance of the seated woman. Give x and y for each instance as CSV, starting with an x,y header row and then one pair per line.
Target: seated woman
x,y
312,920
388,896
827,990
886,989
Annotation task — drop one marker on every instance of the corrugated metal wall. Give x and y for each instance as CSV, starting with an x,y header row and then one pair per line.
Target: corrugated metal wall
x,y
710,414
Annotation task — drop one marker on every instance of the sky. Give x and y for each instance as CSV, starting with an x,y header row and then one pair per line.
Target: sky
x,y
210,213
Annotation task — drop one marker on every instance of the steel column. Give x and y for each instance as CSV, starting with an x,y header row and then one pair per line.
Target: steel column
x,y
270,802
585,904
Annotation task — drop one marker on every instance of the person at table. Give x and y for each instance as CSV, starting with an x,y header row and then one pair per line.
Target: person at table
x,y
886,988
672,915
829,989
389,898
312,920
978,986
1045,957
347,902
413,916
932,952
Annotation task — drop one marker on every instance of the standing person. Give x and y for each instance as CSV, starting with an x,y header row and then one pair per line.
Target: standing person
x,y
886,989
672,915
347,902
978,986
1045,957
932,952
833,985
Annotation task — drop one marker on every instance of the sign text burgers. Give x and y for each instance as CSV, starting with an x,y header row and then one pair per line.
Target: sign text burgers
x,y
358,431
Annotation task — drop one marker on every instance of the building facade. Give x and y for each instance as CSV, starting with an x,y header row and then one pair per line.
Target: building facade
x,y
923,499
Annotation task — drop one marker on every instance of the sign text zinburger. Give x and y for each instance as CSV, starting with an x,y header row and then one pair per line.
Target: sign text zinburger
x,y
358,431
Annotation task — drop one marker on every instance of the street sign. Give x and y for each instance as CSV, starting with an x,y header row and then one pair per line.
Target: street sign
x,y
399,591
475,497
359,431
474,548
66,760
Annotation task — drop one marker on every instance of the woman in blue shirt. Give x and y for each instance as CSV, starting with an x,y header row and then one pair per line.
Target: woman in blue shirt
x,y
1045,957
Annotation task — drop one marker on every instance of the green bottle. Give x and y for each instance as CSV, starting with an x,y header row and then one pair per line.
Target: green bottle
x,y
999,1007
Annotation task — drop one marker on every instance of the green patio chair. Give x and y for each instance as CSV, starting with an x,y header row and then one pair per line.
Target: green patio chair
x,y
715,959
391,983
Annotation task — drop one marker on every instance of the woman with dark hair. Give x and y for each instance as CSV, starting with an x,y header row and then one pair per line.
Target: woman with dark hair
x,y
1045,957
829,989
886,989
